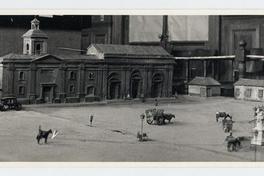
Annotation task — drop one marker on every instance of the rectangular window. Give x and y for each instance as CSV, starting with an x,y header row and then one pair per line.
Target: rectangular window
x,y
237,92
72,75
21,76
248,92
260,93
21,90
90,90
71,89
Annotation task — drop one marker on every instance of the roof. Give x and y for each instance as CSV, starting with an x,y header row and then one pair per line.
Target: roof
x,y
35,33
75,56
131,50
204,81
13,56
19,56
249,82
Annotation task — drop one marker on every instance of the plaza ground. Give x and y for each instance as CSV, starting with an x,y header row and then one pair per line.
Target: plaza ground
x,y
193,136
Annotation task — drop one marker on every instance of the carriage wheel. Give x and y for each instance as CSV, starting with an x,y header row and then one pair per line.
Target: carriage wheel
x,y
149,120
230,147
18,107
160,121
6,107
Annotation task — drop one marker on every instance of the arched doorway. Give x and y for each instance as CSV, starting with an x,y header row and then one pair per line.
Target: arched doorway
x,y
135,84
114,86
157,85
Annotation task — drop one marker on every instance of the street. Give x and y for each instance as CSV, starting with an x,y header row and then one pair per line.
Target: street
x,y
194,135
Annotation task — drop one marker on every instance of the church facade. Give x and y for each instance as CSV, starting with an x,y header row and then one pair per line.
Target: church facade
x,y
104,72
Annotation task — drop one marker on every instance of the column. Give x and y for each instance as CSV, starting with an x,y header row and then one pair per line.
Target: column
x,y
123,77
149,85
241,53
127,84
104,81
144,81
170,80
62,72
213,68
204,68
32,83
187,76
11,70
80,91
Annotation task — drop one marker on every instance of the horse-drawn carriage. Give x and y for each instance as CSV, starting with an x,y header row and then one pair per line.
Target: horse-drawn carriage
x,y
157,116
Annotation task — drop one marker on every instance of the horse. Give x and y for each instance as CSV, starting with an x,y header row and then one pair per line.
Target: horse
x,y
222,115
227,124
233,144
168,117
43,135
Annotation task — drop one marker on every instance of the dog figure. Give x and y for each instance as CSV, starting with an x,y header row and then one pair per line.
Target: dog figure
x,y
43,135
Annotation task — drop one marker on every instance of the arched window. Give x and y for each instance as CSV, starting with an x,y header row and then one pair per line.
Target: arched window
x,y
72,75
90,90
21,75
27,47
21,90
38,48
71,89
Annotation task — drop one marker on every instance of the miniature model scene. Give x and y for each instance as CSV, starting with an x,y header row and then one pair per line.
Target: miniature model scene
x,y
131,88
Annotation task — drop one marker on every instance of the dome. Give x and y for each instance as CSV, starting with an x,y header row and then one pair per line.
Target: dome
x,y
35,32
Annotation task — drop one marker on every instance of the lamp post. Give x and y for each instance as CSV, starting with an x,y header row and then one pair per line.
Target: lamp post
x,y
140,134
142,116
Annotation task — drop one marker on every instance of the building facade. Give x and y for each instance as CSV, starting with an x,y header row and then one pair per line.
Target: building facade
x,y
249,89
104,72
204,87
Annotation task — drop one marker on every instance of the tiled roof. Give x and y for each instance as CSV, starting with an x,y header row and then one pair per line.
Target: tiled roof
x,y
32,57
250,82
75,56
131,50
19,56
35,33
204,81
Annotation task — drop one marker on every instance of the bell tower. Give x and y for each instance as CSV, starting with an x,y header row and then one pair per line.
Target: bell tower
x,y
34,40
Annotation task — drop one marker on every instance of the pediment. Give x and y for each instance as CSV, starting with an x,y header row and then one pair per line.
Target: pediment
x,y
48,59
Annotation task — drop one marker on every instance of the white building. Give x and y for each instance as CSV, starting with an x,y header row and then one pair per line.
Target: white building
x,y
249,89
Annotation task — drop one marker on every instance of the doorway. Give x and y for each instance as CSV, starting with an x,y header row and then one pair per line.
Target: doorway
x,y
135,84
47,94
157,84
114,90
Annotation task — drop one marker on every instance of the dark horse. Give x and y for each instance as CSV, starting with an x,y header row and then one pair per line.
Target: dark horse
x,y
233,144
43,135
222,115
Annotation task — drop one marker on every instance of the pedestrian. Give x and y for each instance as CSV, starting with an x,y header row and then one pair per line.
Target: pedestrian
x,y
176,95
128,96
91,119
156,102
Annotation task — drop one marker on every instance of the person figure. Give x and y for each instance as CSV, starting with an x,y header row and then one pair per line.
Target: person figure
x,y
176,95
91,119
128,96
156,102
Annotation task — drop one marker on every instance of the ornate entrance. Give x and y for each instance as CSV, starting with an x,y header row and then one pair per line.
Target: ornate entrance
x,y
157,84
47,93
114,92
136,84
